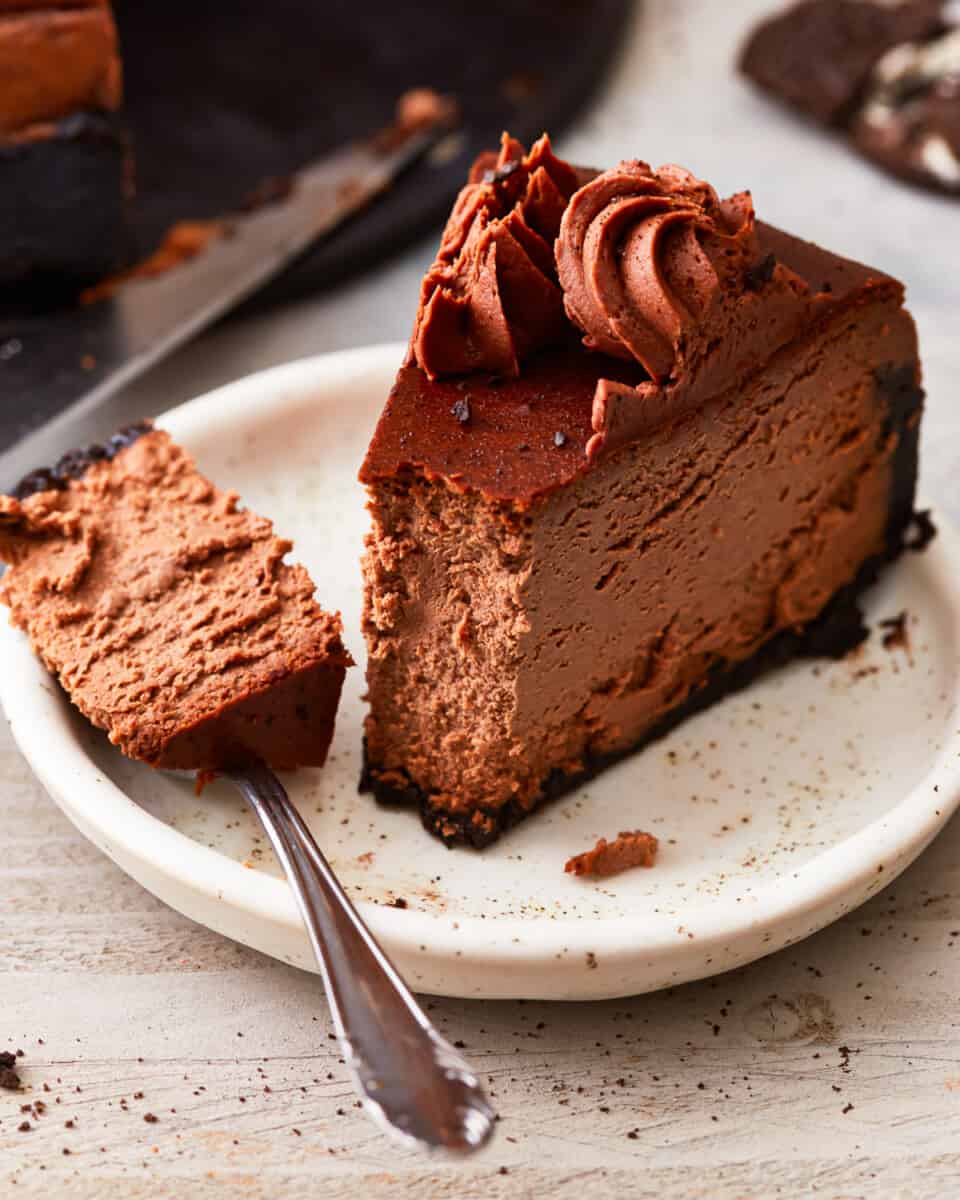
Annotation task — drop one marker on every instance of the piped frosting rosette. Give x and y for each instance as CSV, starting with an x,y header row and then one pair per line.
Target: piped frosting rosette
x,y
643,257
491,297
655,267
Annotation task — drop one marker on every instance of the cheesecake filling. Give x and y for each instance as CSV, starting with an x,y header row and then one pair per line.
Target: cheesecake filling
x,y
732,526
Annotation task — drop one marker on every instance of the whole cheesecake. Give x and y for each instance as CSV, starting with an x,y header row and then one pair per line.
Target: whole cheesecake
x,y
65,165
643,446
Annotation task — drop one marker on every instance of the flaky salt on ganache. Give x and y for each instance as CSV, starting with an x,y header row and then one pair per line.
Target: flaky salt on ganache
x,y
643,446
167,611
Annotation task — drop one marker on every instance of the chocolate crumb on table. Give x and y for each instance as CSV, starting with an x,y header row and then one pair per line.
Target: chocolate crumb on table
x,y
628,849
9,1079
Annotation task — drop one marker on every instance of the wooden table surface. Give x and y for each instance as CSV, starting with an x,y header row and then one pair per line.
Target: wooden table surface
x,y
161,1060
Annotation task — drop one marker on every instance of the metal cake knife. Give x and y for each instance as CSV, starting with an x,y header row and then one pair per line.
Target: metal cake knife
x,y
107,344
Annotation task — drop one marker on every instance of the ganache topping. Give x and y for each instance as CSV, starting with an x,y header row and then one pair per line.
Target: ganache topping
x,y
491,297
646,259
649,266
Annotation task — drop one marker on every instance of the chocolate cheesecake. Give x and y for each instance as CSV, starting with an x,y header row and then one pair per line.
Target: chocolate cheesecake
x,y
167,611
64,159
643,446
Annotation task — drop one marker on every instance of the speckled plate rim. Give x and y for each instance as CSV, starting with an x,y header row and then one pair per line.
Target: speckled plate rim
x,y
444,953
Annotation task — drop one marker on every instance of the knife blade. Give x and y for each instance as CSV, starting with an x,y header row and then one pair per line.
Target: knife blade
x,y
111,342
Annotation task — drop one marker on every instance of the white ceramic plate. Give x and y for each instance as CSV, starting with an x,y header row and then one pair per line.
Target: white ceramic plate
x,y
777,810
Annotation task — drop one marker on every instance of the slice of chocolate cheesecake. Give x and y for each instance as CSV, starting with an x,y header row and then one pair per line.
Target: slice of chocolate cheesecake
x,y
167,611
603,523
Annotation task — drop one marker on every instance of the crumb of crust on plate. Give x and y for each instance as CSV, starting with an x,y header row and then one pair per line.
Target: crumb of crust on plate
x,y
203,779
628,849
896,635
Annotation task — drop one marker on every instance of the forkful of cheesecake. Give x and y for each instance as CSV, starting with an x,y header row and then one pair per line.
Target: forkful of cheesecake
x,y
173,622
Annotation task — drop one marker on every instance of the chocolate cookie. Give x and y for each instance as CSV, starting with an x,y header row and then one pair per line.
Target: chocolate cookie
x,y
818,55
889,74
910,120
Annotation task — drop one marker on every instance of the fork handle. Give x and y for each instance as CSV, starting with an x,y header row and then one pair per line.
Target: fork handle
x,y
411,1080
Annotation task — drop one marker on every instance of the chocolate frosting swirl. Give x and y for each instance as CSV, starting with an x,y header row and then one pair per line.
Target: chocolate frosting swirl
x,y
491,297
646,259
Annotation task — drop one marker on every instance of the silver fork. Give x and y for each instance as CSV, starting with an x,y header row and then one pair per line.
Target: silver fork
x,y
413,1083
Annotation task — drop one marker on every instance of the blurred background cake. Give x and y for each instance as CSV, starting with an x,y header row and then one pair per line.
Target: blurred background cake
x,y
64,166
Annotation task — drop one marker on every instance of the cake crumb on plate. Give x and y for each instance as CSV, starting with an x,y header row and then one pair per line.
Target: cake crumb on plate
x,y
628,849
